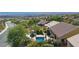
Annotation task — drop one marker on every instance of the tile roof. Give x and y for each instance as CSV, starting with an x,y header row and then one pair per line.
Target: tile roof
x,y
52,23
62,28
42,22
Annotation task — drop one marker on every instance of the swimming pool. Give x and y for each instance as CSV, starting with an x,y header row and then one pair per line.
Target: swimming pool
x,y
40,39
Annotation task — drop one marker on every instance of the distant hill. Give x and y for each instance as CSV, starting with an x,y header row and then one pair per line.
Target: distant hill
x,y
9,14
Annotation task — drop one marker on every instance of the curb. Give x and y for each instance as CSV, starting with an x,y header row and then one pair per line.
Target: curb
x,y
4,29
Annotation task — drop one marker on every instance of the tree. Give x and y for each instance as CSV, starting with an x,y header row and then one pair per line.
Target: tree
x,y
55,18
30,23
37,29
24,23
14,21
35,21
17,36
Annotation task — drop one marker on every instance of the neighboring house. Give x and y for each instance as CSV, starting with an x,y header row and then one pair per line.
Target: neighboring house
x,y
42,23
52,23
73,41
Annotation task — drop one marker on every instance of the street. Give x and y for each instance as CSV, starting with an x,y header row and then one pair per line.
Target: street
x,y
3,37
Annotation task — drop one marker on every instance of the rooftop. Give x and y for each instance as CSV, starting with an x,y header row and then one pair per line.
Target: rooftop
x,y
62,28
52,23
42,22
74,40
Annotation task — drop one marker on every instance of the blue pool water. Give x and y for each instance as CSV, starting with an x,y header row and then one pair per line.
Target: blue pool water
x,y
40,39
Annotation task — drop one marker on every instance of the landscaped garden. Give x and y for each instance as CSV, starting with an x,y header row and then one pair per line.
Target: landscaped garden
x,y
18,36
29,33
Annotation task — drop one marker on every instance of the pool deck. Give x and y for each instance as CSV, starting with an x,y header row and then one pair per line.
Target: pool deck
x,y
34,38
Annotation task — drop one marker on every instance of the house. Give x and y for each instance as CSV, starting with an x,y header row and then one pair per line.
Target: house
x,y
62,31
42,23
73,41
52,23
